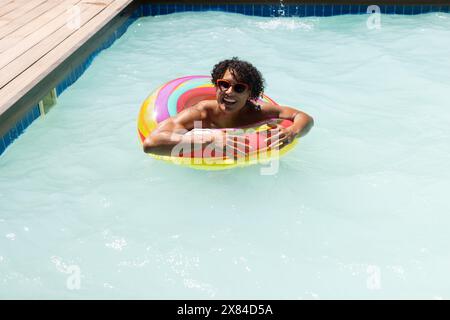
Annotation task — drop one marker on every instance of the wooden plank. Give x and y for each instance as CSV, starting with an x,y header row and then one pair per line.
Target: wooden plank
x,y
7,8
35,25
30,17
21,63
32,39
4,2
35,73
15,15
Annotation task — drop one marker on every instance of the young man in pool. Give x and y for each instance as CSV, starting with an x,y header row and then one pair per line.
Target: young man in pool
x,y
238,84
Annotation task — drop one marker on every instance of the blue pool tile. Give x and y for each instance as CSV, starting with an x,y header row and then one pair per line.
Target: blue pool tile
x,y
248,9
179,8
64,84
272,11
337,9
266,11
188,7
416,10
213,7
62,87
445,9
435,8
354,9
6,140
345,9
24,123
318,10
162,9
30,117
309,10
171,8
390,9
231,8
408,10
154,8
19,128
327,10
399,9
276,11
301,10
138,12
2,145
240,9
36,112
222,7
146,10
287,12
362,8
257,9
291,10
13,134
427,9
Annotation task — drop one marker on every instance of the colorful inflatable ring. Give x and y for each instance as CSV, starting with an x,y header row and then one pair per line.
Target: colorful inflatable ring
x,y
178,94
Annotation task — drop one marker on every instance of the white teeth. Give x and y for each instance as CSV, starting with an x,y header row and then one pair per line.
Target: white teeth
x,y
228,100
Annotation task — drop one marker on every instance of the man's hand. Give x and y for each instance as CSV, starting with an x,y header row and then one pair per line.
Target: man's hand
x,y
232,145
279,136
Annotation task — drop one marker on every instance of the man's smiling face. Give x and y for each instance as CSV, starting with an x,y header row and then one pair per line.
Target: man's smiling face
x,y
229,99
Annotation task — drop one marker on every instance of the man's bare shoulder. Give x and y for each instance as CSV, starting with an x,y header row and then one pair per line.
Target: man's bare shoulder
x,y
207,105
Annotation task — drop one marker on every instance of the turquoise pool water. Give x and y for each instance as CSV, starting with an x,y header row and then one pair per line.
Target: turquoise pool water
x,y
358,210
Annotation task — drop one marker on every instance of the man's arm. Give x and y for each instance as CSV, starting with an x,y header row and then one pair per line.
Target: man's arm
x,y
172,131
302,122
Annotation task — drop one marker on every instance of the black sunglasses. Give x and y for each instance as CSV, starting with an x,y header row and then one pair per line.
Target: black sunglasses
x,y
224,84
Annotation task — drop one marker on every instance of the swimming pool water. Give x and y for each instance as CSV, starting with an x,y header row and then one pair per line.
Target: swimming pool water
x,y
359,209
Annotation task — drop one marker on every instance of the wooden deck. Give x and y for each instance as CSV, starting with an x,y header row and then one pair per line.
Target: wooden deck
x,y
37,35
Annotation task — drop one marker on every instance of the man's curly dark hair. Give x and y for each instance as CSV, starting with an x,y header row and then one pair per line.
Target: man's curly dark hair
x,y
243,71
